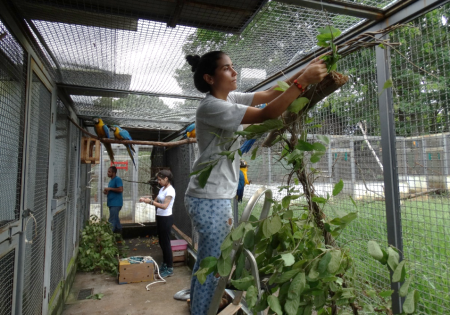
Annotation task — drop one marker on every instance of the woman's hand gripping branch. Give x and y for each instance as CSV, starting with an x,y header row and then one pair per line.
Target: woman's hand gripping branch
x,y
314,73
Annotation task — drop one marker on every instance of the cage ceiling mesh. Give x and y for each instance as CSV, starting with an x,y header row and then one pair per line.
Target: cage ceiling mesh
x,y
109,45
371,3
137,111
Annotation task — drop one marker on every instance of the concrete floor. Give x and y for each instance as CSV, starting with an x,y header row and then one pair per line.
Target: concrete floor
x,y
133,298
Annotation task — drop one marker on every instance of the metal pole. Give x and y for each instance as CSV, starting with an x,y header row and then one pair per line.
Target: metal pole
x,y
391,183
135,185
77,191
352,163
445,157
269,155
100,181
425,163
405,161
330,162
69,158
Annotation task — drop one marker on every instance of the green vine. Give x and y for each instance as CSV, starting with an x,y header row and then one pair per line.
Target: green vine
x,y
326,39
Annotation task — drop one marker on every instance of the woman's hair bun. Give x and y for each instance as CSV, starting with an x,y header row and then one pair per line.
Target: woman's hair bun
x,y
193,61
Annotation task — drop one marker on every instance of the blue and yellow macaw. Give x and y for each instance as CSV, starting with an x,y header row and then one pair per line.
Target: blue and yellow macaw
x,y
243,180
102,131
189,132
122,134
247,145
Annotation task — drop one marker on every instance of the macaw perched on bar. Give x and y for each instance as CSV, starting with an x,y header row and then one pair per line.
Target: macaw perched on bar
x,y
122,134
243,180
102,131
189,131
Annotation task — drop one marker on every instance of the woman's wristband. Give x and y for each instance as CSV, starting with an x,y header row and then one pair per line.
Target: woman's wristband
x,y
302,88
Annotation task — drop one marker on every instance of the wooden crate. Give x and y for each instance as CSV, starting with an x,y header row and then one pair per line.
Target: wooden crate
x,y
132,273
179,255
90,151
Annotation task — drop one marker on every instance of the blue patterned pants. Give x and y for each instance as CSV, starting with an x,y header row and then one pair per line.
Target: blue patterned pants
x,y
213,220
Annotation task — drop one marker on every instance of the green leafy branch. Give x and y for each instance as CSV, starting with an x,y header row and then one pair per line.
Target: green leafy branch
x,y
98,249
325,39
286,251
97,296
390,257
291,255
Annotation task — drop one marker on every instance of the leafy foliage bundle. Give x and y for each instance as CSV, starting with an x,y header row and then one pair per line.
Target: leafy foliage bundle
x,y
98,249
299,261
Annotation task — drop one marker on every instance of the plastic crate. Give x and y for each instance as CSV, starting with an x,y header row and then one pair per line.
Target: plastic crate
x,y
178,245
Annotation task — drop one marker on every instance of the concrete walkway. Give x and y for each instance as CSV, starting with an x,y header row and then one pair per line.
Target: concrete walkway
x,y
130,299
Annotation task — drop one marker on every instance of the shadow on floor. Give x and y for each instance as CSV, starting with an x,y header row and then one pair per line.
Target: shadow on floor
x,y
133,298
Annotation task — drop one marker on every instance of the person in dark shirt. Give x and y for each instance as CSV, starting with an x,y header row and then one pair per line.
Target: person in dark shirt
x,y
114,191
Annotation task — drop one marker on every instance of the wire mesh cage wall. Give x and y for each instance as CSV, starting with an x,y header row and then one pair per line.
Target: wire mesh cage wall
x,y
7,285
36,197
124,171
349,158
61,150
135,182
421,99
61,177
58,243
12,108
355,155
85,171
95,190
350,118
144,212
71,200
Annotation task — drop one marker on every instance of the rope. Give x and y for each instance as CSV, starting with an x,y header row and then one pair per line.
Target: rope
x,y
35,229
161,279
132,181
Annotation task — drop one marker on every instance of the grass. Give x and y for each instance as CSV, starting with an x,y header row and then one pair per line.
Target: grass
x,y
426,245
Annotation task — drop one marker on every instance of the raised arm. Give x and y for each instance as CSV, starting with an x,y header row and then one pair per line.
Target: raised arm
x,y
314,73
269,95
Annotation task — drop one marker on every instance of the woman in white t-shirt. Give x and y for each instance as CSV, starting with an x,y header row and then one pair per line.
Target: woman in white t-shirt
x,y
221,113
164,220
